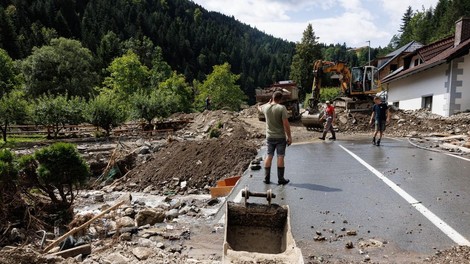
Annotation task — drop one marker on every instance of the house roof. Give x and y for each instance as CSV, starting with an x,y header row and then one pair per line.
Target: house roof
x,y
407,48
434,54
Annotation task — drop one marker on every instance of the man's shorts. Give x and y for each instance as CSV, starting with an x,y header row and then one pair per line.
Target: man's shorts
x,y
277,144
380,125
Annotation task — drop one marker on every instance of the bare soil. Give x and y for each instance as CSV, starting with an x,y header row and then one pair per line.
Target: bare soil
x,y
198,163
189,161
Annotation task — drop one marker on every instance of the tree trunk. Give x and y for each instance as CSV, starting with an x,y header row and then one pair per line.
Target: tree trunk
x,y
4,131
4,135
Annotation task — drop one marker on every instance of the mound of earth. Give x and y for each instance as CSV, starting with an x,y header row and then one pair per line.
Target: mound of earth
x,y
187,165
406,123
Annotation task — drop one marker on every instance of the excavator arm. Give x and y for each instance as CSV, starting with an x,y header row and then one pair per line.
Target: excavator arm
x,y
319,69
311,118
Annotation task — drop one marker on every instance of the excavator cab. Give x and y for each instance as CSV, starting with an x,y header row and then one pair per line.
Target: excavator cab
x,y
364,80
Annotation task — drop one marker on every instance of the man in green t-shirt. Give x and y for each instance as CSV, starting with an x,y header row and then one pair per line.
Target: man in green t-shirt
x,y
278,136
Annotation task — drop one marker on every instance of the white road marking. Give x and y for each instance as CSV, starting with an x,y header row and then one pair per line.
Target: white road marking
x,y
396,139
459,157
439,223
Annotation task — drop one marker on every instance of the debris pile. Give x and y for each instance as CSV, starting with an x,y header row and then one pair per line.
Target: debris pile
x,y
190,167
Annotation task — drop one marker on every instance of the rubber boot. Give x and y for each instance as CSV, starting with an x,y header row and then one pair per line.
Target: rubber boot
x,y
378,142
333,135
373,141
280,176
267,175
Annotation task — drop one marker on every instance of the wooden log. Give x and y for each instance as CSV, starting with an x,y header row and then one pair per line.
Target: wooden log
x,y
72,252
76,229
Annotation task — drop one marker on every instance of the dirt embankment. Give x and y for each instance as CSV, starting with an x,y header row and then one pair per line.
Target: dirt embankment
x,y
192,165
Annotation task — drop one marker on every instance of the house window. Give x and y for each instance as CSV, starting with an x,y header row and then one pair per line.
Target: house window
x,y
417,62
393,67
427,102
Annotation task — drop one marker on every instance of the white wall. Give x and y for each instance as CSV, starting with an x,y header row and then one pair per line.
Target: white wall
x,y
465,88
409,91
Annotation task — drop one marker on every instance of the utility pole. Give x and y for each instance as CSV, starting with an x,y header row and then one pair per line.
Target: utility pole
x,y
369,51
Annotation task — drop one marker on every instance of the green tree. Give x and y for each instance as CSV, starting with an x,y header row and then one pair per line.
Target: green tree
x,y
109,48
221,86
63,67
148,107
127,75
405,20
306,52
58,168
55,112
8,176
13,109
143,47
106,111
9,78
160,68
177,92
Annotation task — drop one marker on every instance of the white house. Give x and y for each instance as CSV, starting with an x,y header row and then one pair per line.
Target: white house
x,y
435,76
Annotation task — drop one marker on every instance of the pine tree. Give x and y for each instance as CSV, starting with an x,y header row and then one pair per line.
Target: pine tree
x,y
306,52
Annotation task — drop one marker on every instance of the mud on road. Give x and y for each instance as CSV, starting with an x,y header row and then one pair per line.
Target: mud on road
x,y
189,161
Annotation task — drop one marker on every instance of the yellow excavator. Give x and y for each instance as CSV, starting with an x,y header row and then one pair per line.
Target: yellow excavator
x,y
357,89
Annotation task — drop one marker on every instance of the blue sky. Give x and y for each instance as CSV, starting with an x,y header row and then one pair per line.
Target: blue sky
x,y
334,21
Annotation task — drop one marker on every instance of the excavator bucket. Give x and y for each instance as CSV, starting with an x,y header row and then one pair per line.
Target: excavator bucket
x,y
311,120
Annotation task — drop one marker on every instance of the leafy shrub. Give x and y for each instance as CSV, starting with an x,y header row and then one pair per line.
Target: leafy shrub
x,y
58,167
326,94
214,133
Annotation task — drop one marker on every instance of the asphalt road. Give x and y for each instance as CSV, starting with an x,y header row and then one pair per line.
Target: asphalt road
x,y
405,203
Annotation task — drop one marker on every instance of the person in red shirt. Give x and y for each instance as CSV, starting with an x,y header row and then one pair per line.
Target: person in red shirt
x,y
330,117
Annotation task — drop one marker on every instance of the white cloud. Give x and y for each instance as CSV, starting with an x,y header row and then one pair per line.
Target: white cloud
x,y
351,21
353,29
395,9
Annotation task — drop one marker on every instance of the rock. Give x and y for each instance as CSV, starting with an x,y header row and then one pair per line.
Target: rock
x,y
144,150
176,248
116,258
125,236
319,238
396,117
142,253
255,167
184,210
160,245
149,217
367,258
466,144
343,119
173,213
98,198
148,189
183,184
129,212
349,245
351,232
125,221
212,202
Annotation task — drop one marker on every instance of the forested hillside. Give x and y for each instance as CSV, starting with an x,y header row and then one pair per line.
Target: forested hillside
x,y
192,39
434,23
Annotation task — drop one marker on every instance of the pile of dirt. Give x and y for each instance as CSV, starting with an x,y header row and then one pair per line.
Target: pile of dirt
x,y
192,165
459,254
406,123
29,256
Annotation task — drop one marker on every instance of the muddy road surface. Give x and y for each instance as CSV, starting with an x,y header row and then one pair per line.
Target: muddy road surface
x,y
351,201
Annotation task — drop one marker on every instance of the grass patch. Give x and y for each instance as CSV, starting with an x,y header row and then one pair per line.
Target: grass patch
x,y
15,140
